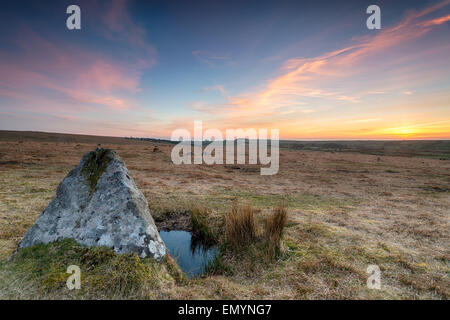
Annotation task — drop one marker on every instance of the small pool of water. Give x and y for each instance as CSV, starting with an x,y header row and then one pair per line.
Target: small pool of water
x,y
191,256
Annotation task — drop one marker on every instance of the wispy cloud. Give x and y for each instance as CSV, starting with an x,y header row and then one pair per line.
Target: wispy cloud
x,y
78,74
119,26
218,87
436,21
41,73
210,58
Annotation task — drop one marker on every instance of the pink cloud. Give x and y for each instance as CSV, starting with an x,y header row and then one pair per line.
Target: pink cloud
x,y
81,75
81,79
436,21
120,26
108,76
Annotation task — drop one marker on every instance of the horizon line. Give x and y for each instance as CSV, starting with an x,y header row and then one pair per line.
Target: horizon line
x,y
168,139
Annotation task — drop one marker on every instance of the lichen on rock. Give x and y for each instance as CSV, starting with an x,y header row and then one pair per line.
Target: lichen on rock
x,y
98,204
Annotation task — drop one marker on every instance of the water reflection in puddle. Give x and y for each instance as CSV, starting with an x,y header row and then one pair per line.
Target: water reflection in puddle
x,y
191,256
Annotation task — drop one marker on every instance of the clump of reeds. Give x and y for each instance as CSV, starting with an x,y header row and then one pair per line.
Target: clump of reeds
x,y
274,226
240,226
201,228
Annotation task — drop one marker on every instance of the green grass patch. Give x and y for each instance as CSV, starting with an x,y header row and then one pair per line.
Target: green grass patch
x,y
104,274
308,202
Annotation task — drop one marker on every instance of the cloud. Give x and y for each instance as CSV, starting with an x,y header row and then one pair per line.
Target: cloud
x,y
218,87
361,120
436,21
120,27
43,72
78,74
210,58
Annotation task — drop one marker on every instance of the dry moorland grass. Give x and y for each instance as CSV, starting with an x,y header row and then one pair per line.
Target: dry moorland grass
x,y
345,211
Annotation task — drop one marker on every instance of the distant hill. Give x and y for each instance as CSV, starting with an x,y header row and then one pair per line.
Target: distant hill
x,y
438,149
411,148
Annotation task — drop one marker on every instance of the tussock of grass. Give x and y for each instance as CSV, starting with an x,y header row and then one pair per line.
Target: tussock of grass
x,y
243,238
201,227
274,226
240,226
218,266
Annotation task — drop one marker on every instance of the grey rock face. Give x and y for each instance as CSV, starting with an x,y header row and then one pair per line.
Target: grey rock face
x,y
98,204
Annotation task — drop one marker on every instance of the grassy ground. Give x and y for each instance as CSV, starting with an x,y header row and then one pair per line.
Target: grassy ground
x,y
345,211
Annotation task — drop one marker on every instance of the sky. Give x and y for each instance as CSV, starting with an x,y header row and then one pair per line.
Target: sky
x,y
311,69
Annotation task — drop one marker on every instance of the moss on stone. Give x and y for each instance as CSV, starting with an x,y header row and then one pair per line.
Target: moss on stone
x,y
95,166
